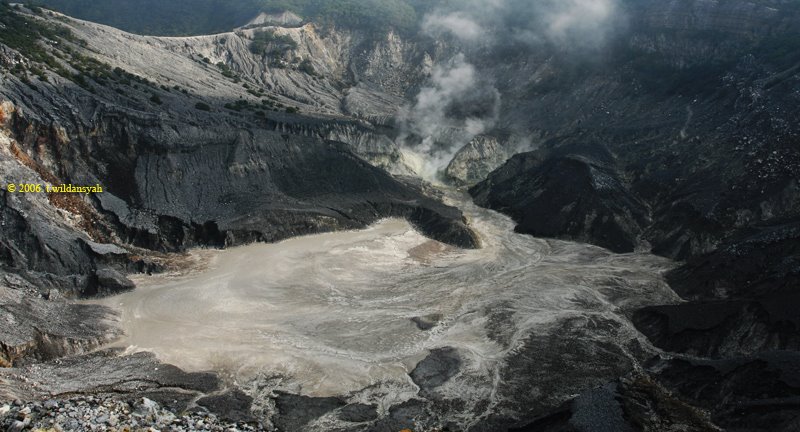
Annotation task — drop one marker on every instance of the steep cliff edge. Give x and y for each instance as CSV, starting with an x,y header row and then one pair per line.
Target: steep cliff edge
x,y
571,194
696,112
680,137
695,103
143,117
188,153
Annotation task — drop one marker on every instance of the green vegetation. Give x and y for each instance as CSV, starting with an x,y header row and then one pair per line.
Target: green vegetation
x,y
81,81
257,92
51,46
370,15
192,17
89,67
226,70
307,67
239,105
160,17
270,104
202,106
28,37
269,43
124,77
43,46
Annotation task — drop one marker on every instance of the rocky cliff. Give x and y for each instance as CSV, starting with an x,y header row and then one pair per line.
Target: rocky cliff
x,y
694,104
679,137
178,168
195,142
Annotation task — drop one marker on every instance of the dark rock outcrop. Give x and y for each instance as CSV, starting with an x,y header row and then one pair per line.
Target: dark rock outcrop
x,y
427,322
755,262
724,328
633,403
107,372
358,413
478,158
295,411
744,295
745,393
566,194
170,186
110,281
742,310
436,369
33,328
231,406
401,416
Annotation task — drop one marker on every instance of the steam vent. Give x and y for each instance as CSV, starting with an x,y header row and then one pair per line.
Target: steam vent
x,y
400,216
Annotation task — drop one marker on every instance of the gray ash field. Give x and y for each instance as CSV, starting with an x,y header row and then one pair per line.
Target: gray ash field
x,y
332,315
493,215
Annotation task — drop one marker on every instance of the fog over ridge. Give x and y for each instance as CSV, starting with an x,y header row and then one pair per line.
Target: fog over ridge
x,y
458,103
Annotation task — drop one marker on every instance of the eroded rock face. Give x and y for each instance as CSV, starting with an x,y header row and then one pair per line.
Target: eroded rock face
x,y
753,263
476,160
692,103
744,296
694,114
758,390
636,402
169,186
284,19
49,237
369,74
34,328
106,372
433,371
566,194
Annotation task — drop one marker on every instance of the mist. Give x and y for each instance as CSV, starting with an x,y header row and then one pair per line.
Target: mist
x,y
458,103
455,106
569,24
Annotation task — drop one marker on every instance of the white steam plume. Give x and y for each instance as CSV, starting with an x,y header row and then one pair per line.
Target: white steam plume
x,y
459,24
568,23
459,102
456,106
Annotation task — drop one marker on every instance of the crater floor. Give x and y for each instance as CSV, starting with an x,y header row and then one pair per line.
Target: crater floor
x,y
333,314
